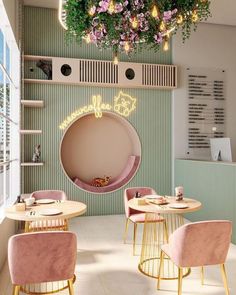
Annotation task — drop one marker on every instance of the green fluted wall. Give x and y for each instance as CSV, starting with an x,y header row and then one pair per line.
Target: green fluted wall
x,y
152,118
213,184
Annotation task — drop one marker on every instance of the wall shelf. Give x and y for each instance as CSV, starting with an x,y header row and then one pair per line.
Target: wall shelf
x,y
30,131
37,57
32,103
27,164
40,81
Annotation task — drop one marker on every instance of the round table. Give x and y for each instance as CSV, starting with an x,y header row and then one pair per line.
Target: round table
x,y
155,234
34,221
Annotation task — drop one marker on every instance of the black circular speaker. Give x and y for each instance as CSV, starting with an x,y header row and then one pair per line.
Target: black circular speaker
x,y
130,74
66,70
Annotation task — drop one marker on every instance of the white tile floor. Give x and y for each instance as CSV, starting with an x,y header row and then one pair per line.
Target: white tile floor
x,y
106,266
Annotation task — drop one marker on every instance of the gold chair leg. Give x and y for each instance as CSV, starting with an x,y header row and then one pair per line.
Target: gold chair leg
x,y
16,290
126,229
160,269
27,225
70,286
224,276
180,278
166,232
134,239
202,275
66,225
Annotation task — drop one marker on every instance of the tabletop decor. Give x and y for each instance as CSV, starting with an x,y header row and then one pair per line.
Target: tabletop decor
x,y
126,26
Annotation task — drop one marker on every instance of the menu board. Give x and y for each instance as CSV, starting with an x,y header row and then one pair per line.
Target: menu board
x,y
206,107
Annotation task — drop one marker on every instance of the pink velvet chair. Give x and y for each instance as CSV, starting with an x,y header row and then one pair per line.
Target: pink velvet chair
x,y
198,244
57,224
42,257
49,194
135,216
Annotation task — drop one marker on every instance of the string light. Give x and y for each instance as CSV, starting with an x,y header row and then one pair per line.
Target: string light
x,y
134,22
194,16
179,19
162,26
166,45
88,39
115,59
155,11
91,11
111,7
127,47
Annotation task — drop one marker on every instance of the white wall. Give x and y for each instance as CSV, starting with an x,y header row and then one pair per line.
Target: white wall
x,y
211,46
12,9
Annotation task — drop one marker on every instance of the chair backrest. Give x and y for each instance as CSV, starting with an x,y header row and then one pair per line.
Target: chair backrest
x,y
49,194
42,257
201,243
129,193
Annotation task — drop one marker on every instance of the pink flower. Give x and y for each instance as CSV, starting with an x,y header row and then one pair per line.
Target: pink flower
x,y
167,15
174,11
158,38
118,7
103,6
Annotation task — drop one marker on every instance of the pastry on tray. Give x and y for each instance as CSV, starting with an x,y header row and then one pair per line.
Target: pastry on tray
x,y
159,200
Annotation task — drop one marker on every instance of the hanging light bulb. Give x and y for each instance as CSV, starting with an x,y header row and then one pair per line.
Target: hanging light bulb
x,y
111,7
92,11
166,45
194,16
155,11
88,39
134,22
115,59
162,26
127,47
179,19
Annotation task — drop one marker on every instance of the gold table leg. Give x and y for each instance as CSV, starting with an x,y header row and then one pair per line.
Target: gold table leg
x,y
155,234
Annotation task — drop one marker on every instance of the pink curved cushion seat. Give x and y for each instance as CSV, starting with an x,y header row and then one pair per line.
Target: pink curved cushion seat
x,y
42,257
117,182
200,243
49,194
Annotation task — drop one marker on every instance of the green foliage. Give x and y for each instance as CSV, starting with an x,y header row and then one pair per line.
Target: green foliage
x,y
110,23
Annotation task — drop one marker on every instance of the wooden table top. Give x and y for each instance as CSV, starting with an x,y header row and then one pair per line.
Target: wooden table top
x,y
69,209
193,205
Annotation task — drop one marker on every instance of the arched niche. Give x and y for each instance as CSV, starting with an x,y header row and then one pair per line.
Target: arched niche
x,y
108,146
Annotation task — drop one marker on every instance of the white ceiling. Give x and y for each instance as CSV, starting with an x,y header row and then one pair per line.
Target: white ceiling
x,y
223,12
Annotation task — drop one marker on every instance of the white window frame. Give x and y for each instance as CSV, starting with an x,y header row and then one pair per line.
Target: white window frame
x,y
10,166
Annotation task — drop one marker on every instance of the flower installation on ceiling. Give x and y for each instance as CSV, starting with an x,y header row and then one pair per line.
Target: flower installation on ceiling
x,y
128,26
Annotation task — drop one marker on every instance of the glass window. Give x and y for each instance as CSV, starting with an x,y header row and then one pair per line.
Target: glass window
x,y
1,186
9,115
1,46
7,59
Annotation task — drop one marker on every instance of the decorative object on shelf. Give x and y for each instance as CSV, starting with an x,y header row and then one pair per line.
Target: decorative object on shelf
x,y
100,182
128,26
46,67
179,193
36,154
